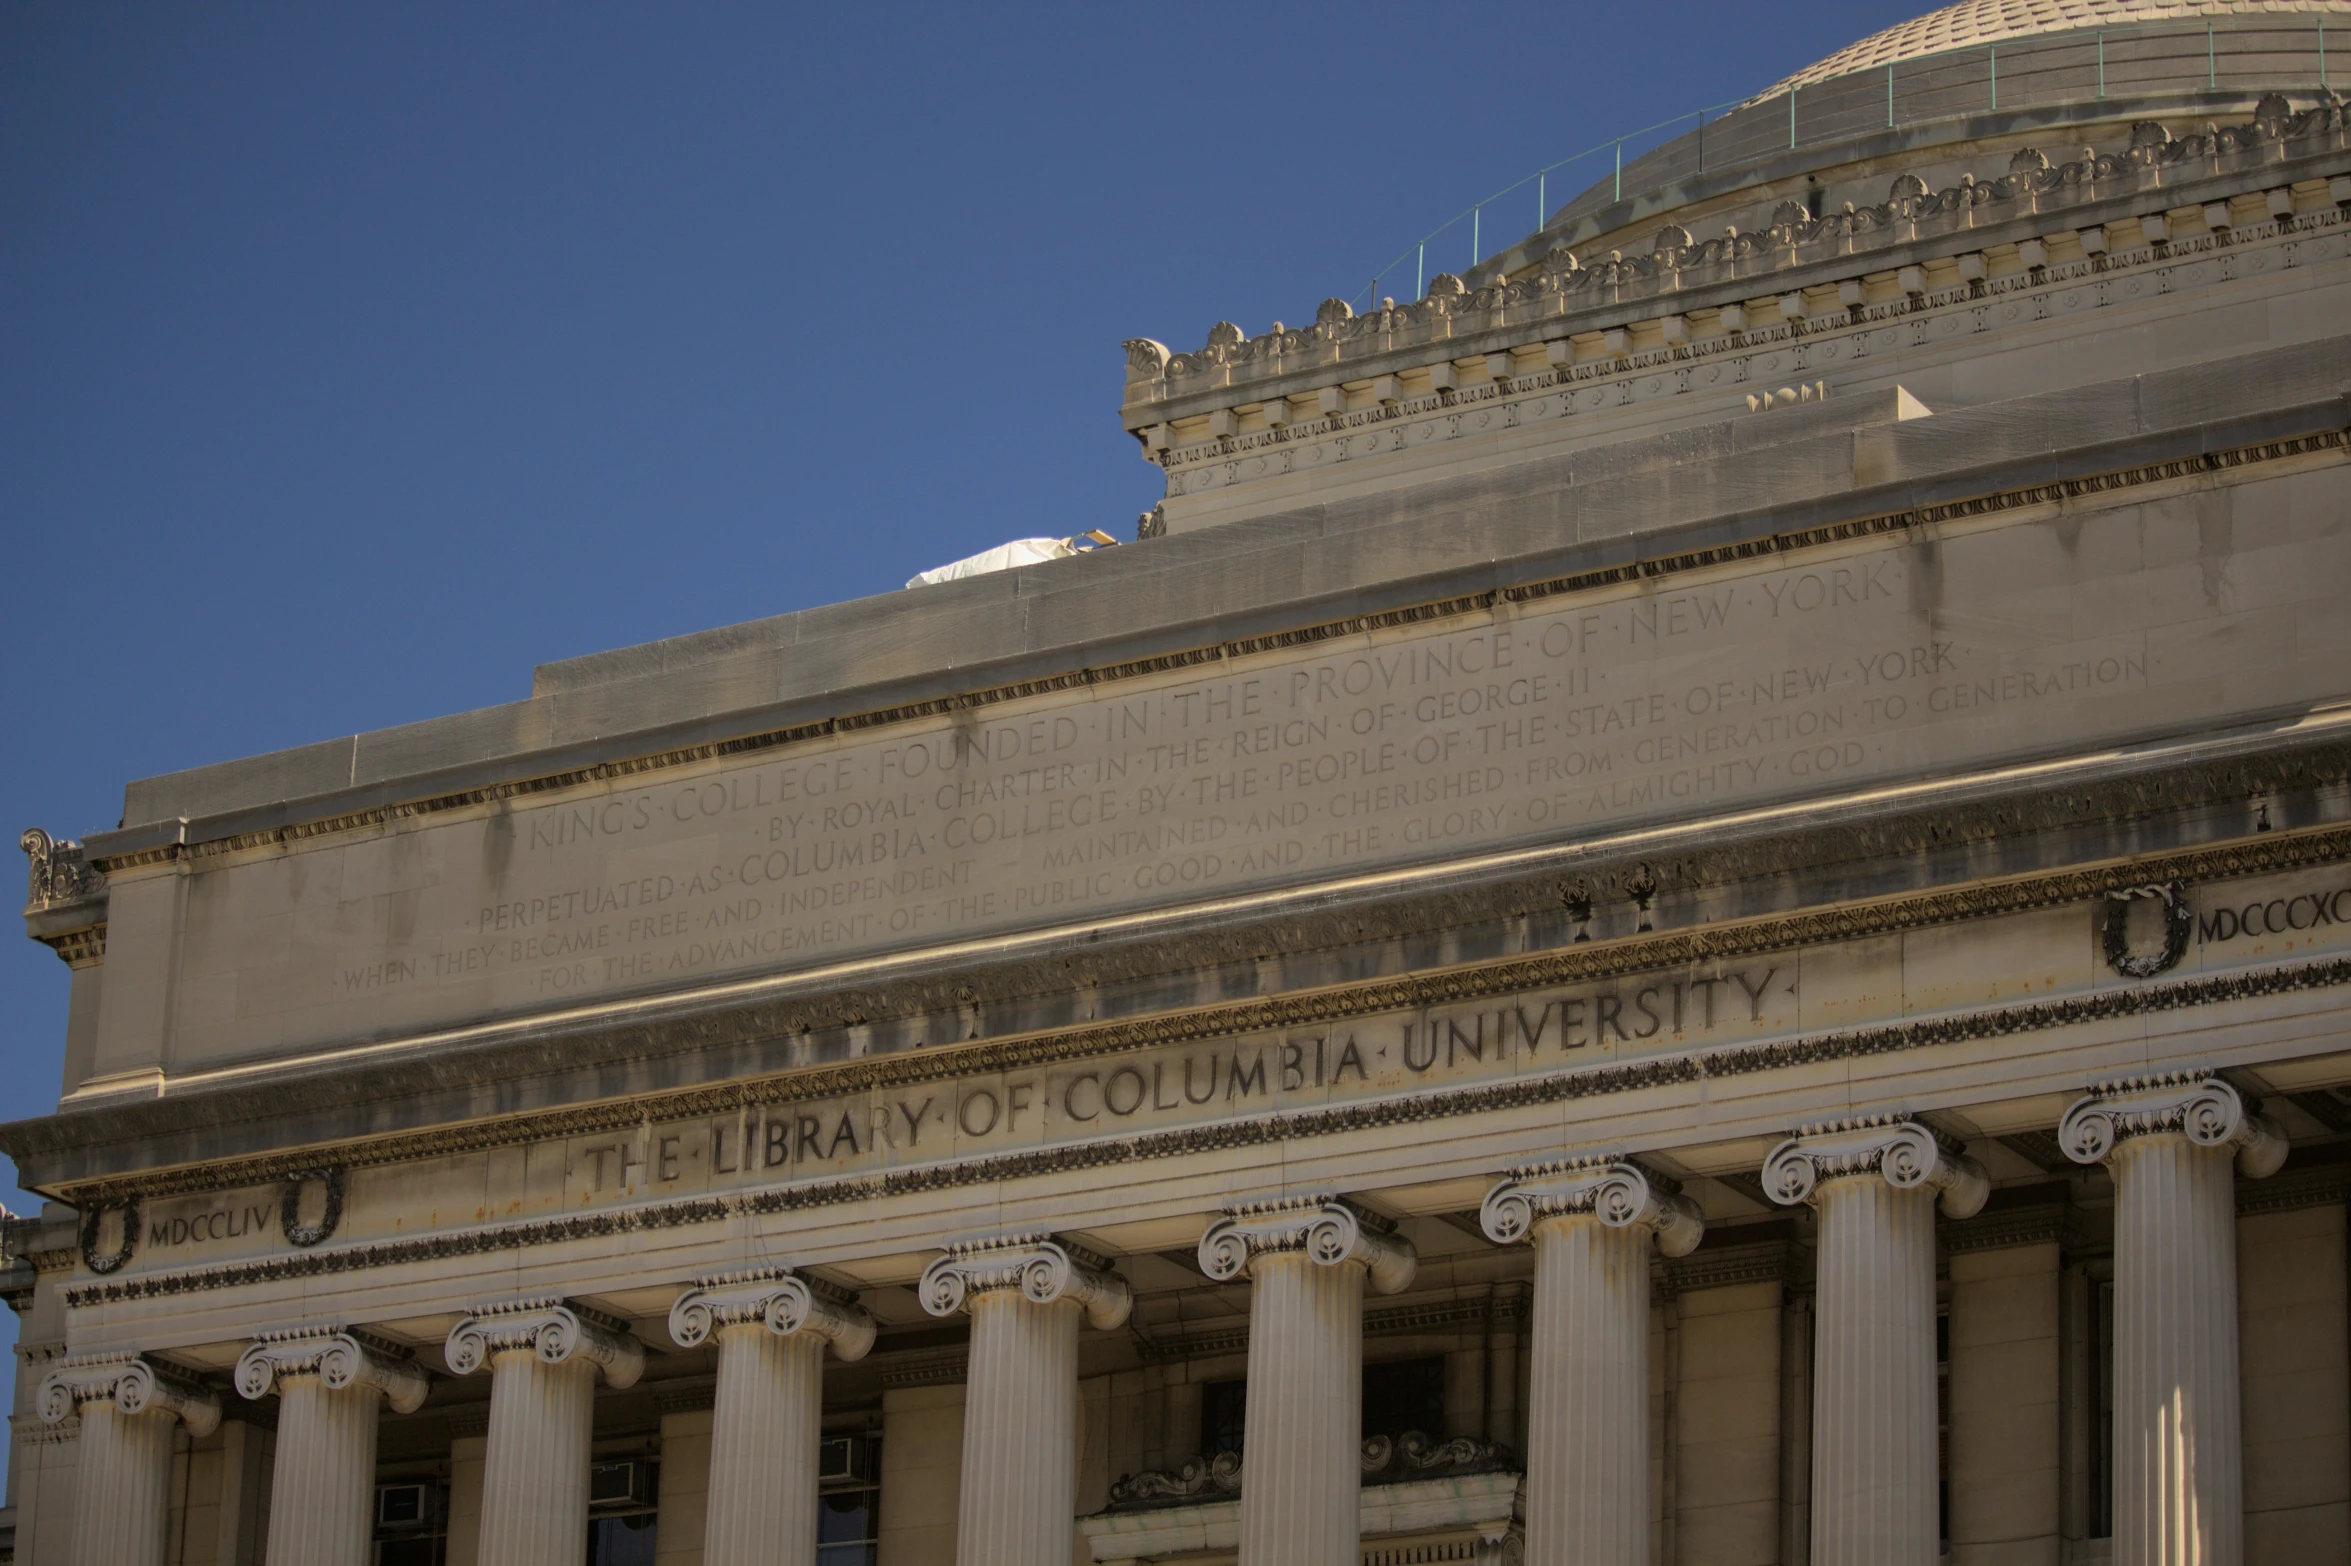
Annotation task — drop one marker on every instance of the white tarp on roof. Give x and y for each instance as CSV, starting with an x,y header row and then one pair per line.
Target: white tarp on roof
x,y
1020,552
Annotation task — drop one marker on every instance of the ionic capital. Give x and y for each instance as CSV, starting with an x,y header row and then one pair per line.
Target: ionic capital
x,y
130,1383
2205,1110
553,1329
782,1299
1619,1192
1329,1231
1041,1268
340,1360
1904,1152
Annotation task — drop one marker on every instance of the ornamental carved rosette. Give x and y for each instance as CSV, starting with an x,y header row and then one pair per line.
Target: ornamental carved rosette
x,y
340,1360
555,1330
1905,1153
782,1299
130,1383
1329,1231
1619,1192
1042,1268
2205,1110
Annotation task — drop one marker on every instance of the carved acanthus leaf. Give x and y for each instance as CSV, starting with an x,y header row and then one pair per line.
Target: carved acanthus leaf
x,y
60,873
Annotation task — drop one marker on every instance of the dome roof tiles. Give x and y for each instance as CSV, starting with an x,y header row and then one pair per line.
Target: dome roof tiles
x,y
1974,23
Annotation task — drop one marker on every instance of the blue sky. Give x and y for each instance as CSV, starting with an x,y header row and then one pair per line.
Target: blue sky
x,y
353,359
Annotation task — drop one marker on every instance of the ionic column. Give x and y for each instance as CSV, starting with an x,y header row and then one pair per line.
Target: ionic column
x,y
122,1489
1025,1294
1874,1453
544,1356
1592,1221
2178,1447
772,1326
1301,1467
330,1387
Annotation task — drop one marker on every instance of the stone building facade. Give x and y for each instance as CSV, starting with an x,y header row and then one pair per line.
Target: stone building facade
x,y
1691,903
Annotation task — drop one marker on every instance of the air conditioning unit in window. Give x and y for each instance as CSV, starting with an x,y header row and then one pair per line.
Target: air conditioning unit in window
x,y
412,1506
620,1485
844,1460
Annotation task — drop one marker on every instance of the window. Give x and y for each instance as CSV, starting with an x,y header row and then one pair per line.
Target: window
x,y
849,1513
622,1494
411,1523
1402,1395
1223,1408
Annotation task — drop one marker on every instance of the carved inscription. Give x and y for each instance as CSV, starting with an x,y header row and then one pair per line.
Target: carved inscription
x,y
1535,723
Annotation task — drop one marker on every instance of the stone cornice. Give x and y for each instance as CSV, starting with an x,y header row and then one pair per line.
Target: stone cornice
x,y
1727,1266
2146,999
1565,963
2325,1186
1561,296
2052,1223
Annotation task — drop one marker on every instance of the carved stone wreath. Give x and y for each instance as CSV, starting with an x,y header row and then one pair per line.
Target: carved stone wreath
x,y
290,1208
92,1217
2179,922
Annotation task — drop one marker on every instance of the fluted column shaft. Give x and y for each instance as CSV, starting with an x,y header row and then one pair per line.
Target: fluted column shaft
x,y
1593,1221
1026,1294
544,1356
331,1387
323,1485
1302,1469
1876,1184
771,1326
2178,1453
1587,1500
535,1472
122,1488
764,1430
2170,1142
1874,1454
1020,1432
1307,1260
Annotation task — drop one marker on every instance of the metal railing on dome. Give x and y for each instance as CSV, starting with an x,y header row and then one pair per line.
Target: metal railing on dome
x,y
2041,69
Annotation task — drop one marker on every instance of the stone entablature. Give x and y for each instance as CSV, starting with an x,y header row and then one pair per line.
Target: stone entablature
x,y
1769,274
1724,1019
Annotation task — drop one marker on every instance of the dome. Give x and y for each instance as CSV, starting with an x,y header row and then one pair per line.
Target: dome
x,y
1971,24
